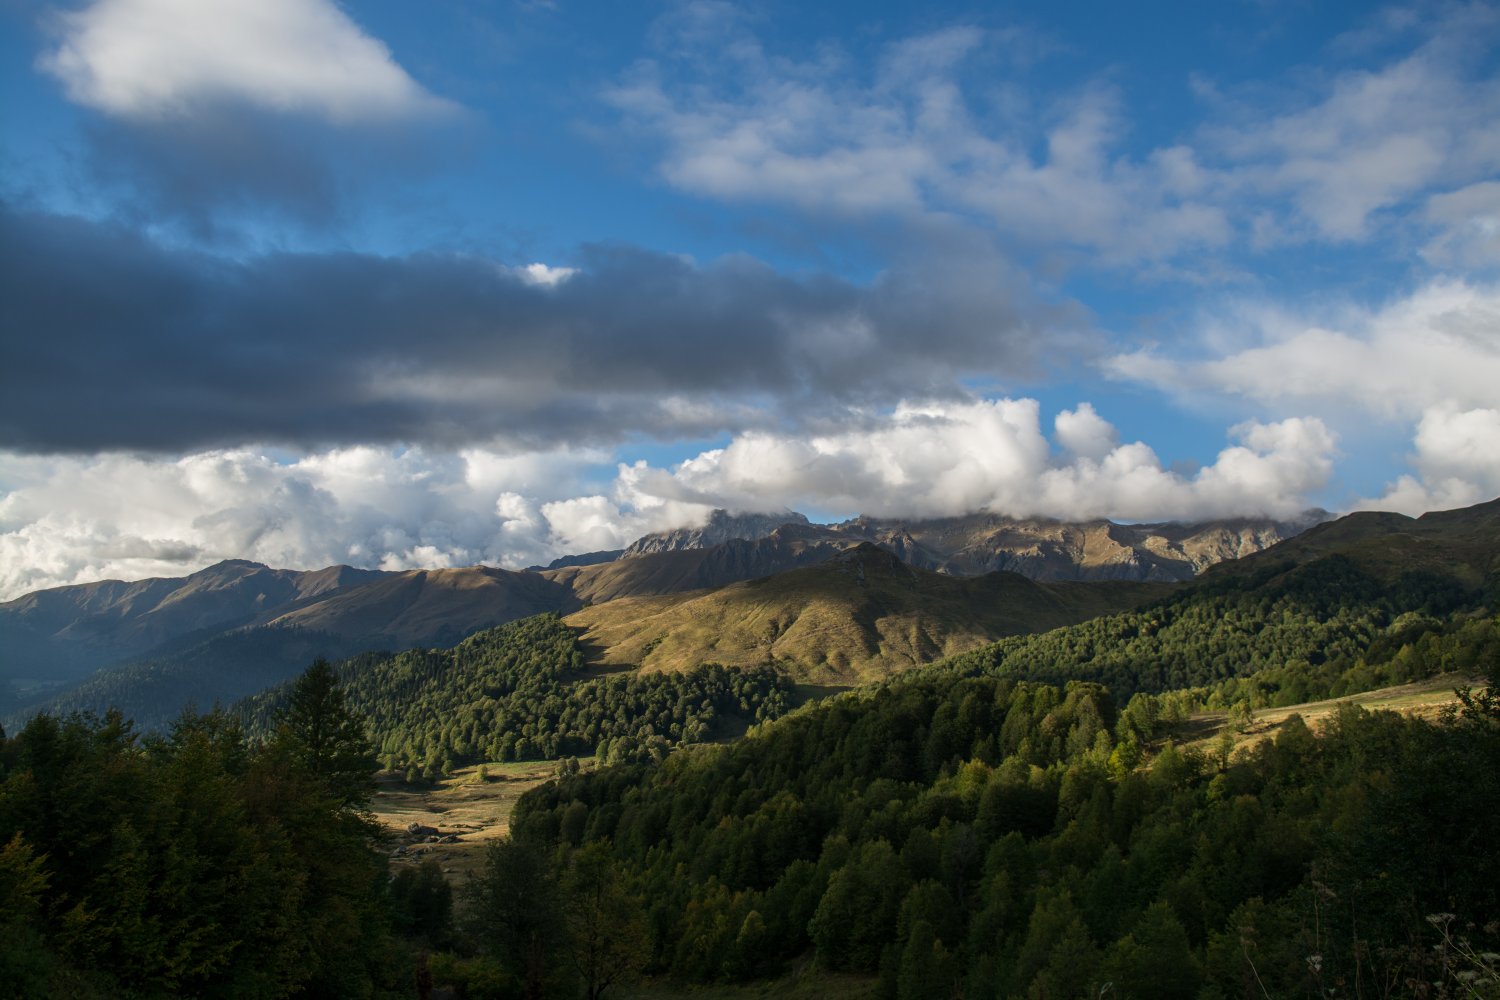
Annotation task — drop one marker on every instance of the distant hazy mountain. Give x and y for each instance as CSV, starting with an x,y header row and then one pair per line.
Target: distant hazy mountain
x,y
69,631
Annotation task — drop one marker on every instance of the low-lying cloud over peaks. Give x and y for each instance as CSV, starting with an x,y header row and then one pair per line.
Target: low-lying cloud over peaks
x,y
943,459
119,343
62,520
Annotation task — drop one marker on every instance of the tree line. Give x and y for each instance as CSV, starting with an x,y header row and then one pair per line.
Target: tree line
x,y
521,691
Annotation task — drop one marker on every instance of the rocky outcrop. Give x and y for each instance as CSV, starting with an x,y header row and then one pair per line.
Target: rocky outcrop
x,y
971,545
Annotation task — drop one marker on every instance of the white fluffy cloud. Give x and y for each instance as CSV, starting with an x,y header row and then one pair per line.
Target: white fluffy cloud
x,y
162,58
1457,459
62,520
954,458
1440,343
1429,360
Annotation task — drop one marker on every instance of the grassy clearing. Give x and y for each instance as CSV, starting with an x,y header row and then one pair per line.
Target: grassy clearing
x,y
1425,699
478,811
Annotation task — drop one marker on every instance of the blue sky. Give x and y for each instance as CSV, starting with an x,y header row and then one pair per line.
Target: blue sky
x,y
419,285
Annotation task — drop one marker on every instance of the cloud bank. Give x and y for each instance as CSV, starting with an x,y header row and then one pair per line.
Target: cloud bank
x,y
118,343
62,520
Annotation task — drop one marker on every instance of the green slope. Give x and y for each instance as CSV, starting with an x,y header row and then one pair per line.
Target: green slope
x,y
995,826
862,615
522,691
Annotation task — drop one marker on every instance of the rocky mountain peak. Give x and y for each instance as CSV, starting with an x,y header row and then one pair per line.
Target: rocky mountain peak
x,y
723,526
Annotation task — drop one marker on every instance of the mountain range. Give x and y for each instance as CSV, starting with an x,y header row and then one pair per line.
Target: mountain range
x,y
928,592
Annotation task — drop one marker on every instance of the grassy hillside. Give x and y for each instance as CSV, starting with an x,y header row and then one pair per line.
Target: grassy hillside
x,y
860,616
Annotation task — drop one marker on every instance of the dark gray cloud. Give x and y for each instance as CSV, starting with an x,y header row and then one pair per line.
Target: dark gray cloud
x,y
113,341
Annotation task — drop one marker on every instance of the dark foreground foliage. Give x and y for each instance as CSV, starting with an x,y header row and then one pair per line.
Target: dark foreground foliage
x,y
193,864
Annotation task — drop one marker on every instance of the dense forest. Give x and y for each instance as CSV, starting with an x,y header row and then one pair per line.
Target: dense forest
x,y
1015,822
991,827
193,864
981,836
1317,630
521,692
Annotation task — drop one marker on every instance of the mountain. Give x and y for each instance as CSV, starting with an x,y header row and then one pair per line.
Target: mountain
x,y
582,559
861,615
722,527
674,571
975,544
1462,544
435,607
691,559
1044,549
64,633
70,631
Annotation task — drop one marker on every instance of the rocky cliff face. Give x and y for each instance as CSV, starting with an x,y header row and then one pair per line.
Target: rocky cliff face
x,y
982,543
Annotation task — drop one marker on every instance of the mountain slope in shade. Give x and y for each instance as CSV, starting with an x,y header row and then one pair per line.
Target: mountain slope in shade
x,y
393,611
435,607
1463,544
72,630
862,615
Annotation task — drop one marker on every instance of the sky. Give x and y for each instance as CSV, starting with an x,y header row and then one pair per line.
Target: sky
x,y
491,281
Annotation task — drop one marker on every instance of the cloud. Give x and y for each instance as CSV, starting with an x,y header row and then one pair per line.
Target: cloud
x,y
1321,155
1457,459
1426,363
1439,343
1084,433
1377,139
1468,224
752,126
229,121
953,458
62,521
115,342
152,59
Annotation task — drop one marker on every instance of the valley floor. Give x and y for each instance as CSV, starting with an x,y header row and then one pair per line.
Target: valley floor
x,y
478,812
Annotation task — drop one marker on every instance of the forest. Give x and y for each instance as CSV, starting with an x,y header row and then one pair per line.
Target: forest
x,y
1014,822
521,692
